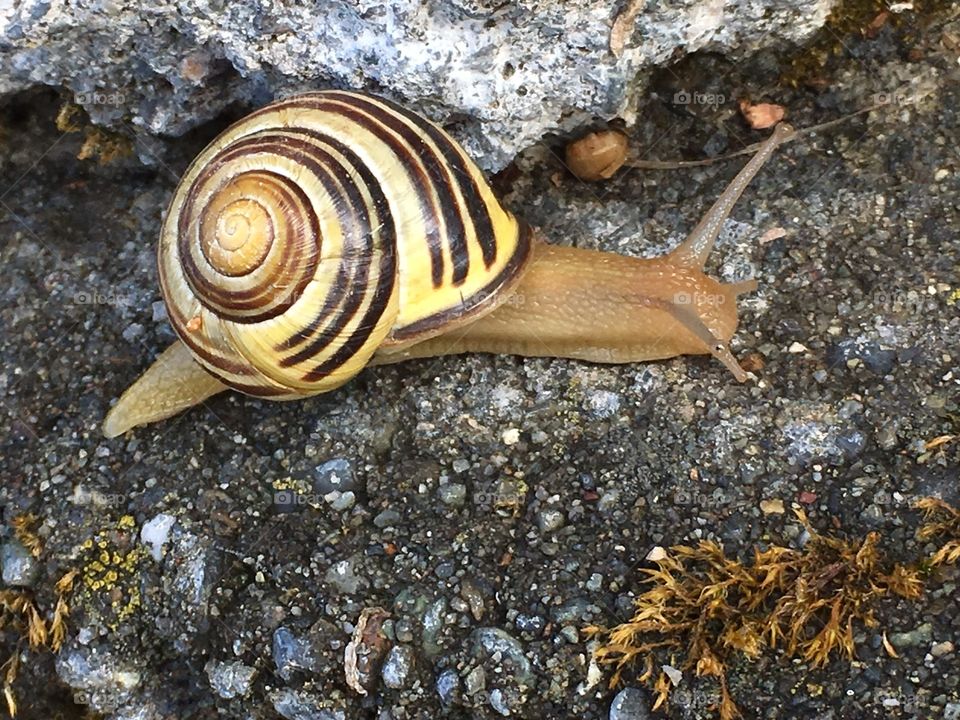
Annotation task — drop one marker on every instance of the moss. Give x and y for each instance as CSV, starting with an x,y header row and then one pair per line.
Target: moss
x,y
702,609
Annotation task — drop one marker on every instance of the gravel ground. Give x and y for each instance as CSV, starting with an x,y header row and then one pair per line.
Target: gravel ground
x,y
495,506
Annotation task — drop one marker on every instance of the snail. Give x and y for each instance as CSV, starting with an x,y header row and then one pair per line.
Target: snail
x,y
334,230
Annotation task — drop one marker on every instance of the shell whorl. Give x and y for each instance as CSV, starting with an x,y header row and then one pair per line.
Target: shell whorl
x,y
321,227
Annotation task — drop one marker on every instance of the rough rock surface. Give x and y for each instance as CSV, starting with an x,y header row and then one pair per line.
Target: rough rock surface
x,y
500,505
504,73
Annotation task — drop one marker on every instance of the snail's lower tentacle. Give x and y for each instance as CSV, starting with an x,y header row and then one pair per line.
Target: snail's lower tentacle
x,y
172,384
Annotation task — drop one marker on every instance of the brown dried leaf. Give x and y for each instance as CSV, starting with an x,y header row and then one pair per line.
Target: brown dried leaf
x,y
762,115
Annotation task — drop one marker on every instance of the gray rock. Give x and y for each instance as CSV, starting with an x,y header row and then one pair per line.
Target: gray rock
x,y
630,704
603,403
334,476
951,711
432,625
132,332
20,568
99,679
550,519
453,494
499,702
386,518
533,624
510,72
230,679
397,667
342,576
292,653
494,642
448,684
920,635
475,681
341,501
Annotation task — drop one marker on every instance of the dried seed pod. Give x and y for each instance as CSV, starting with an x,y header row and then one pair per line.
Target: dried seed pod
x,y
597,155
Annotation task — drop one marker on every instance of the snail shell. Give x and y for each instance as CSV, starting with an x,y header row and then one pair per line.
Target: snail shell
x,y
321,227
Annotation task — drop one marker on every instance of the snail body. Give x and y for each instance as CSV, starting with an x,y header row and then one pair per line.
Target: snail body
x,y
333,230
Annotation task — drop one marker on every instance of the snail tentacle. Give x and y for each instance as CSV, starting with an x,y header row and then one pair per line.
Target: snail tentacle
x,y
695,250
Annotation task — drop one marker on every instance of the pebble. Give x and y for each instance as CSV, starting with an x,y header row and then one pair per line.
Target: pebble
x,y
447,685
475,681
494,642
341,501
942,648
230,679
158,311
656,554
343,577
550,519
772,507
432,625
386,518
671,672
951,711
291,653
511,436
396,668
471,592
608,501
461,465
920,635
629,704
20,568
603,404
299,705
453,494
499,702
132,331
334,475
533,624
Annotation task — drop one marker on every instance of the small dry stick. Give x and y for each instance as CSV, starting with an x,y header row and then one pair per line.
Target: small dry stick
x,y
748,150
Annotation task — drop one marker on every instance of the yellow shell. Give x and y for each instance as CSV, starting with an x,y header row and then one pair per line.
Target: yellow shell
x,y
321,227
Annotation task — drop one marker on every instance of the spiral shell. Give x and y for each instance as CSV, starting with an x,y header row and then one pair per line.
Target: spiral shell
x,y
321,227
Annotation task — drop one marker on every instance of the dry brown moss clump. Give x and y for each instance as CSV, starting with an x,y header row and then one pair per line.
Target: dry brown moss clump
x,y
942,522
20,613
702,608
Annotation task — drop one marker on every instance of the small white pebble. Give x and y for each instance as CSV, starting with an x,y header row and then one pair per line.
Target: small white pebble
x,y
511,436
656,554
671,672
797,347
155,533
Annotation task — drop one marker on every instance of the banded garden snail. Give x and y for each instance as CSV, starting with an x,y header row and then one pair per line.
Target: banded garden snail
x,y
333,230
